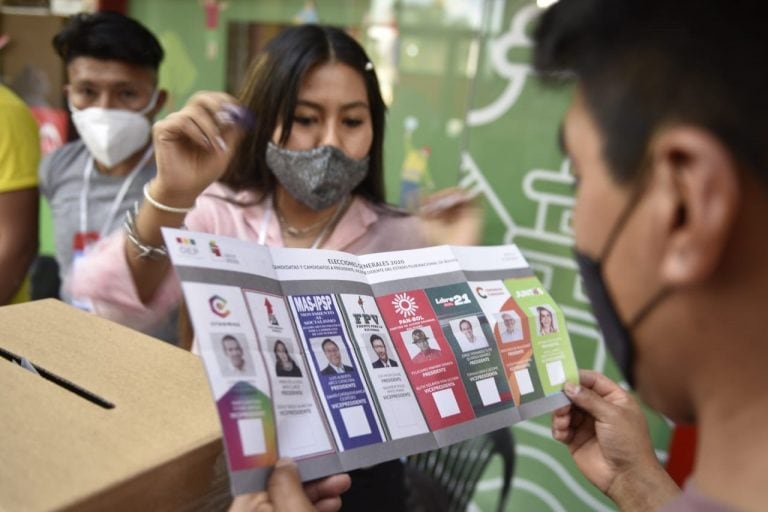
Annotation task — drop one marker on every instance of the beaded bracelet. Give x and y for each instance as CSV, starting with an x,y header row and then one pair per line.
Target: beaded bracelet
x,y
144,250
160,206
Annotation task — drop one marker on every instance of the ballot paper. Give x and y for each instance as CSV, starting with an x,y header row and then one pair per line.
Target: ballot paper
x,y
341,361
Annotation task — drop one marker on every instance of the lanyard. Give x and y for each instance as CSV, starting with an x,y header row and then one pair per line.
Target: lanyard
x,y
321,237
110,218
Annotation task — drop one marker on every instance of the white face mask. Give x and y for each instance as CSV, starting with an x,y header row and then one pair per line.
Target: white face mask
x,y
113,135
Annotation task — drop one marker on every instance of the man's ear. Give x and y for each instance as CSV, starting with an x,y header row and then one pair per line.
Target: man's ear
x,y
701,181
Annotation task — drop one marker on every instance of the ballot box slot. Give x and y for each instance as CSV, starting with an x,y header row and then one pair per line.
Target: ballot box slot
x,y
55,379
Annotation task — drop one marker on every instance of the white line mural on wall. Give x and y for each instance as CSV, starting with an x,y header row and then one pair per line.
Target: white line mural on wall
x,y
552,209
515,73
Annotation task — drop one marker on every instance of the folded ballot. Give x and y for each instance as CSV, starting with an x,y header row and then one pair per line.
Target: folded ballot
x,y
342,361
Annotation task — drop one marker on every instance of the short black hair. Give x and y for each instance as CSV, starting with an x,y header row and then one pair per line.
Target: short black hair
x,y
327,341
107,35
375,337
643,64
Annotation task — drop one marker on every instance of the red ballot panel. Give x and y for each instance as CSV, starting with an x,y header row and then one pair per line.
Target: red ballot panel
x,y
427,358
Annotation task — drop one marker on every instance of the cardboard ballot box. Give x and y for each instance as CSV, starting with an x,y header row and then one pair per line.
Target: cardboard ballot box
x,y
149,438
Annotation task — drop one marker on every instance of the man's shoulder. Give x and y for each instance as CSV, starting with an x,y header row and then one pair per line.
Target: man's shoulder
x,y
327,370
378,364
61,165
69,150
14,109
64,156
348,368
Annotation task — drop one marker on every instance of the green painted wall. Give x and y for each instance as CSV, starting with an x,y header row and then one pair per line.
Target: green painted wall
x,y
461,69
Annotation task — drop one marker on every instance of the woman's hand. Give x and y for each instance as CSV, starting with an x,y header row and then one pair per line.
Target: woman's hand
x,y
284,493
606,432
193,147
451,217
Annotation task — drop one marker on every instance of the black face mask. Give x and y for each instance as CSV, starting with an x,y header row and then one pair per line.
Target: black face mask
x,y
616,334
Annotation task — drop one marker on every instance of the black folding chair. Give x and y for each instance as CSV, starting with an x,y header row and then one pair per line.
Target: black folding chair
x,y
44,278
445,479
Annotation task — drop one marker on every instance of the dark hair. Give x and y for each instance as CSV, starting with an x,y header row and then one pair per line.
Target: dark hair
x,y
376,337
108,35
326,341
274,349
229,337
642,64
271,90
465,321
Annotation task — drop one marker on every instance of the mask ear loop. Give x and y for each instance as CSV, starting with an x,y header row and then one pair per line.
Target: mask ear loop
x,y
634,200
640,315
152,102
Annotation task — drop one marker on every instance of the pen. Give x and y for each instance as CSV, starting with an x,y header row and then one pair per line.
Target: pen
x,y
232,113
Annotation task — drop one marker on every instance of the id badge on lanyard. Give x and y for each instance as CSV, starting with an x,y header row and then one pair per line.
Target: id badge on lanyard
x,y
84,239
82,242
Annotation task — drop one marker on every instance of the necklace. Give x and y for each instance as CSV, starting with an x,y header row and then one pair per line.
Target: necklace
x,y
295,232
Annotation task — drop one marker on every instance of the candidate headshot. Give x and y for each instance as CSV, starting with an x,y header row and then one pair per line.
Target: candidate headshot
x,y
285,366
546,320
234,357
470,336
333,355
382,358
509,327
425,351
465,326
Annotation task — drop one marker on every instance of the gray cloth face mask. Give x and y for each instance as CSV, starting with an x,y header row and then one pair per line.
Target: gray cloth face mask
x,y
318,177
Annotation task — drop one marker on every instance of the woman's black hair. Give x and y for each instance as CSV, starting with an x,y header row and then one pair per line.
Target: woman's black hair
x,y
271,90
287,354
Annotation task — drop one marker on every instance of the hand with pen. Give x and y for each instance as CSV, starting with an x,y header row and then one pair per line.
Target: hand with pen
x,y
194,146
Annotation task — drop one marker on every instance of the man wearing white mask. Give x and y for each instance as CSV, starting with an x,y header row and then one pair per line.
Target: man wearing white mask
x,y
112,63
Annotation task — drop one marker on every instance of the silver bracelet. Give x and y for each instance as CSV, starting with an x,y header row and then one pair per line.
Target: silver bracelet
x,y
144,250
160,206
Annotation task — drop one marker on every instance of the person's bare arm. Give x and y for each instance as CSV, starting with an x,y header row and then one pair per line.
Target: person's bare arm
x,y
192,150
18,238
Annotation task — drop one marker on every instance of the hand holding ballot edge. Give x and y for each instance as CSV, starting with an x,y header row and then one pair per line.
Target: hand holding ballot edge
x,y
285,493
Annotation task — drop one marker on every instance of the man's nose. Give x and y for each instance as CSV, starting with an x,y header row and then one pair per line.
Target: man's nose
x,y
106,100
